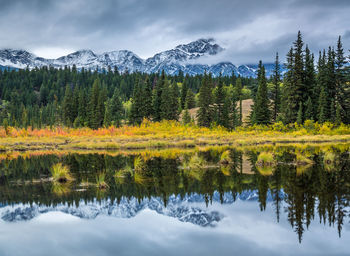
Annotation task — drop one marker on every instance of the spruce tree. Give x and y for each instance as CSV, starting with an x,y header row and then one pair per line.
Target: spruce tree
x,y
309,110
276,93
137,108
115,109
342,92
157,97
68,107
294,84
261,104
148,93
220,104
204,114
289,91
184,90
323,106
310,85
174,101
239,89
300,113
190,99
166,109
94,107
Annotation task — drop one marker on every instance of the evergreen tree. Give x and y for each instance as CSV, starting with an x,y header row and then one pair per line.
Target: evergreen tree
x,y
137,108
94,106
184,90
204,114
239,89
261,104
289,91
68,114
294,84
114,110
276,94
220,104
174,101
310,85
190,99
342,92
148,107
323,106
157,97
166,110
300,113
309,110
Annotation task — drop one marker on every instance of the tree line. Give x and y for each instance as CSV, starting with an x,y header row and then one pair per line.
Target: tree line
x,y
303,90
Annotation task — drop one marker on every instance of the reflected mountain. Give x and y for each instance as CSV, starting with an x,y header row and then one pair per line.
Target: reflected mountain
x,y
303,182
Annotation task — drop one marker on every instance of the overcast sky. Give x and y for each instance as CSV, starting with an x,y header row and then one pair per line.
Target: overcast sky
x,y
249,30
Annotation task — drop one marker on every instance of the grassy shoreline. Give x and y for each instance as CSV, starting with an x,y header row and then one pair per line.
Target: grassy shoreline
x,y
166,134
163,135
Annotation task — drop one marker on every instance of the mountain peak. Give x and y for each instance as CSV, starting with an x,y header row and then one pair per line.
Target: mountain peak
x,y
201,46
181,58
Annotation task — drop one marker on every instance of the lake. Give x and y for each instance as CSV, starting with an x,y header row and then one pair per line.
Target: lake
x,y
223,201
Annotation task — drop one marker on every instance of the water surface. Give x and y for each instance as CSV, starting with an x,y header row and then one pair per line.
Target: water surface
x,y
199,202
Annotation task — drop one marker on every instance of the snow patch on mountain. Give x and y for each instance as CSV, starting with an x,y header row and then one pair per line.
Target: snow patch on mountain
x,y
188,58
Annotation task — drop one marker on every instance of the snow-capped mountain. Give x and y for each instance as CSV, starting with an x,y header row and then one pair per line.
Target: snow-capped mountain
x,y
190,208
181,58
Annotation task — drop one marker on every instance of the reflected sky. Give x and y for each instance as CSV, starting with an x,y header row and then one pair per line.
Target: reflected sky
x,y
178,203
244,230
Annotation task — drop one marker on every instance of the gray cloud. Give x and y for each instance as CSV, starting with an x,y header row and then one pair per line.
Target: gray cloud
x,y
249,30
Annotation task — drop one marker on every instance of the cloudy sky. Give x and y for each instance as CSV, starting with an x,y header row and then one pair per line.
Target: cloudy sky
x,y
249,30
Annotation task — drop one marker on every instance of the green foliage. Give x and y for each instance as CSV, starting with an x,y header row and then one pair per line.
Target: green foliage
x,y
205,115
261,104
60,173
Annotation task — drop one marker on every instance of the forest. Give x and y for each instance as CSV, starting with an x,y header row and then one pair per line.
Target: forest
x,y
306,90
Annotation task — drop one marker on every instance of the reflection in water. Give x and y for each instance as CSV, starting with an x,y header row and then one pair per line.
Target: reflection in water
x,y
303,182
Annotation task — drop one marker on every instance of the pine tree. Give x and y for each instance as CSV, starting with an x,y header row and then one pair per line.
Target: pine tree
x,y
184,90
338,115
310,85
239,89
107,120
81,119
289,91
220,104
309,112
261,104
174,101
101,107
114,110
94,106
190,99
166,109
204,115
148,107
300,113
137,108
68,107
157,97
276,97
331,81
298,75
323,106
342,92
294,84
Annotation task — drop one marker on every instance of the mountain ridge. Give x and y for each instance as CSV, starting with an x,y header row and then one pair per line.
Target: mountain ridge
x,y
181,58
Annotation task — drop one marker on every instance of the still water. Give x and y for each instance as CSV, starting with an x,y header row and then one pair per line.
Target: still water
x,y
199,202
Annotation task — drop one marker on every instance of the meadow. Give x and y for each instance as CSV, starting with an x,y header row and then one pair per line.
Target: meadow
x,y
167,134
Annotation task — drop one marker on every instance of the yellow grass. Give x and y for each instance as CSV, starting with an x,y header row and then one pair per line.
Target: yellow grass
x,y
166,134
